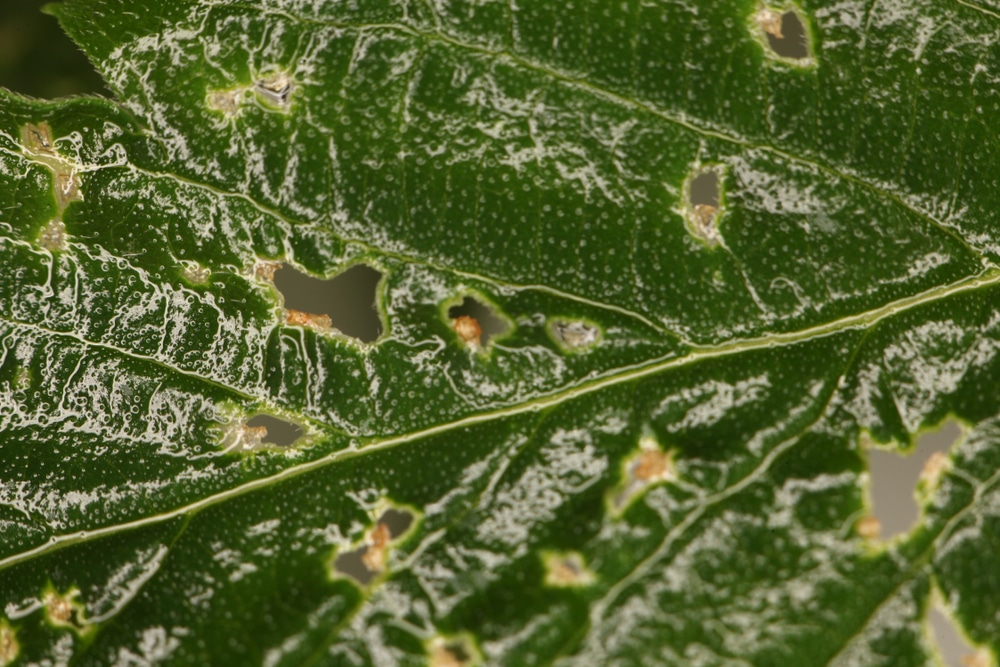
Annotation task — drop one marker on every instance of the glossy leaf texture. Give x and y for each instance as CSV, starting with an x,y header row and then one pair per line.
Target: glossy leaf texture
x,y
660,459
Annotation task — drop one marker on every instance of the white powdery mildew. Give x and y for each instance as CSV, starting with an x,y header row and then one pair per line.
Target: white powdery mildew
x,y
897,620
705,404
155,646
569,465
930,361
124,584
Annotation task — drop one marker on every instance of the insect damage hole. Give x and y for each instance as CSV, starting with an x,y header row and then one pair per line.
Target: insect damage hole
x,y
899,482
347,302
275,89
953,648
476,323
704,203
366,562
785,33
274,431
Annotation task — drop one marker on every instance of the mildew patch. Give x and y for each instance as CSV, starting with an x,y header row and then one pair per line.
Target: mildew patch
x,y
453,651
784,35
476,323
901,483
65,611
369,560
347,303
574,335
275,88
9,646
650,465
228,102
53,236
195,273
703,203
566,570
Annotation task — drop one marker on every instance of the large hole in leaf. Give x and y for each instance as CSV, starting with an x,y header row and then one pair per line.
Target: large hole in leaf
x,y
347,299
788,39
279,432
366,562
475,322
954,650
704,189
894,478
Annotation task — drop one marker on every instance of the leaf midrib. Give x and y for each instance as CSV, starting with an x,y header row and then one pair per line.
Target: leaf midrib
x,y
864,321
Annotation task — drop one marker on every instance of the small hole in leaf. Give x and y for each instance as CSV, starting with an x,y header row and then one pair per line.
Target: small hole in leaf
x,y
347,300
786,35
704,197
896,478
396,521
279,432
475,322
352,564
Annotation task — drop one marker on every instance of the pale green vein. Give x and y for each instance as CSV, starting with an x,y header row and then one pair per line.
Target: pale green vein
x,y
630,374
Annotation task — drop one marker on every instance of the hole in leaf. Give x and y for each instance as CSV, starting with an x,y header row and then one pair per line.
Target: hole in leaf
x,y
704,197
475,322
895,478
352,564
704,189
279,432
396,521
785,32
347,300
953,648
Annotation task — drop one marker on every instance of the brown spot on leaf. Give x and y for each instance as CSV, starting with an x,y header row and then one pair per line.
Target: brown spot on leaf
x,y
468,330
38,138
653,465
769,21
981,658
378,541
311,320
452,652
565,570
869,528
265,270
934,466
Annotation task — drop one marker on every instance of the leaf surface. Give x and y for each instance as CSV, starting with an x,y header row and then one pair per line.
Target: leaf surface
x,y
660,459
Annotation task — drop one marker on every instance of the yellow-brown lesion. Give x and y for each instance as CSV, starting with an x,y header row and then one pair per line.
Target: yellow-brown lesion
x,y
650,465
9,646
770,21
39,147
458,651
310,320
65,610
468,330
566,570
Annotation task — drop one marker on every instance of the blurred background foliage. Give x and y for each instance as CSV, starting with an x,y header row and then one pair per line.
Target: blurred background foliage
x,y
36,56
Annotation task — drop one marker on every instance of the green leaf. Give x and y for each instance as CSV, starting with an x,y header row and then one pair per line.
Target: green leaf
x,y
660,454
